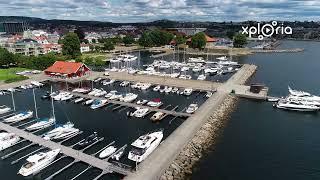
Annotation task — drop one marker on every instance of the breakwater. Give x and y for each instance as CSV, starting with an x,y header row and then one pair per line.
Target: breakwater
x,y
181,167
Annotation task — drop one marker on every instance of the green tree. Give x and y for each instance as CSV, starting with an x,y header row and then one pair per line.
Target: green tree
x,y
93,41
239,40
180,39
145,40
99,62
128,40
80,34
6,58
108,45
71,45
230,34
198,41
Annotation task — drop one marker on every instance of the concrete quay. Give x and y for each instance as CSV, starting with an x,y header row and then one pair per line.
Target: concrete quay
x,y
155,165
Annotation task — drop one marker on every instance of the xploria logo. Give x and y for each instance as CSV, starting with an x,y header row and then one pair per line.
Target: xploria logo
x,y
267,30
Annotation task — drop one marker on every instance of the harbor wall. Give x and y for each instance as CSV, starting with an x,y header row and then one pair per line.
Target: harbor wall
x,y
181,167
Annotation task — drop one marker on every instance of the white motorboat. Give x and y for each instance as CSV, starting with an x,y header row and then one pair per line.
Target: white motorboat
x,y
111,93
36,83
88,102
145,86
124,83
197,69
145,145
210,70
222,58
115,97
142,102
37,162
202,77
129,97
118,155
58,130
66,133
187,91
141,112
97,103
94,91
107,152
7,140
44,123
175,89
185,68
156,88
155,103
192,108
97,80
111,81
174,75
157,116
302,100
168,90
209,94
101,93
66,97
19,117
4,109
296,106
78,100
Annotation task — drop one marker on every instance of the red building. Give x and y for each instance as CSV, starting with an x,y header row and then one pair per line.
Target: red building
x,y
67,69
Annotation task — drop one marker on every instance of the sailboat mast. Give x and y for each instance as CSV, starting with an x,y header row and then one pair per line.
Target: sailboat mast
x,y
13,103
53,114
35,104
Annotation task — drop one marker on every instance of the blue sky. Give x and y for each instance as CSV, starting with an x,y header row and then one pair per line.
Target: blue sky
x,y
149,10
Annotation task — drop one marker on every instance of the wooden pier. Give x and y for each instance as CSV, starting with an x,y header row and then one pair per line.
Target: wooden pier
x,y
133,105
67,151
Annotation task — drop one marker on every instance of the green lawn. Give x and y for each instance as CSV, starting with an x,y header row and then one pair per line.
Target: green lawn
x,y
9,75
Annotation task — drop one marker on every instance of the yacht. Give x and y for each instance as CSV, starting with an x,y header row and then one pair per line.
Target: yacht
x,y
107,152
140,112
157,88
192,108
61,95
202,77
66,133
142,102
94,91
19,117
295,106
89,140
58,131
4,109
36,83
66,97
302,100
42,124
129,97
115,97
37,162
168,90
101,93
111,81
155,103
7,140
187,91
145,86
303,95
98,103
145,145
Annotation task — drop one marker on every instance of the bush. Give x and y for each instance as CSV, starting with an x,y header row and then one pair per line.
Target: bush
x,y
15,79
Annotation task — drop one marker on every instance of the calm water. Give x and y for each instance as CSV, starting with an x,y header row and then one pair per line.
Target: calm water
x,y
260,142
112,125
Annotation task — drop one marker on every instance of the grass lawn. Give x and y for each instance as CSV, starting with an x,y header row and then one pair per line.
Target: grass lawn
x,y
101,56
9,75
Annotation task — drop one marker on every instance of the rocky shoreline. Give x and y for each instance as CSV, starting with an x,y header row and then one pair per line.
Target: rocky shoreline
x,y
181,167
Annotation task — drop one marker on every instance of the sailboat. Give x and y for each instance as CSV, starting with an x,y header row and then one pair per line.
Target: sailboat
x,y
42,123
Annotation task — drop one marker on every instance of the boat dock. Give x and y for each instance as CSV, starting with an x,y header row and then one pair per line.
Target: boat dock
x,y
277,50
67,151
133,105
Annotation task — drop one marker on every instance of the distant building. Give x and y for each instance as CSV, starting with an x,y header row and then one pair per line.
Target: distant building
x,y
14,27
56,48
92,36
67,69
28,47
84,48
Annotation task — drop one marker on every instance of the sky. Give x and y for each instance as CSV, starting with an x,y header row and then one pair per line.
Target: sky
x,y
149,10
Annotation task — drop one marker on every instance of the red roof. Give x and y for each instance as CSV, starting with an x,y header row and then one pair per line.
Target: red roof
x,y
208,38
64,67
